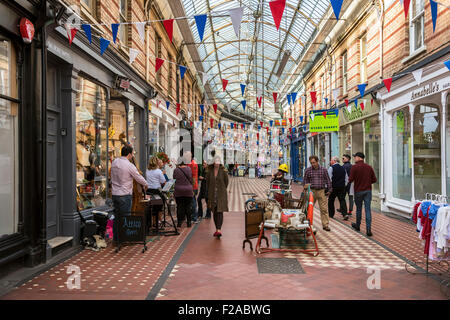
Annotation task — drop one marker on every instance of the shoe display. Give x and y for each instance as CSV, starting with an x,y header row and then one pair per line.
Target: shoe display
x,y
354,226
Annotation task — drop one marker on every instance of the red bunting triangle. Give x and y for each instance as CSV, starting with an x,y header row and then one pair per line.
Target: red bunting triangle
x,y
290,121
242,126
275,95
362,105
371,102
261,123
190,122
215,108
324,113
406,7
158,64
277,8
211,122
71,32
178,108
168,25
346,102
387,83
259,101
257,135
224,84
313,97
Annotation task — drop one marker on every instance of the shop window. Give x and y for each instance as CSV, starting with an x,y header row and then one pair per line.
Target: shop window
x,y
9,140
447,147
357,137
152,134
363,58
133,131
345,137
90,5
372,140
416,26
427,151
123,28
401,155
91,144
117,128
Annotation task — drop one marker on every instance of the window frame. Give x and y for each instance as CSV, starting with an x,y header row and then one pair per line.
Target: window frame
x,y
363,77
123,18
344,73
158,51
412,27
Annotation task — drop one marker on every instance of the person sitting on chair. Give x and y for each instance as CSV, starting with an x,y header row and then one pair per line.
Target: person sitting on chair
x,y
279,176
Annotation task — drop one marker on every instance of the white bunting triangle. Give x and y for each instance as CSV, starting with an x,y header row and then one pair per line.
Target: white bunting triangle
x,y
141,30
349,108
418,75
236,18
189,114
312,116
335,94
133,54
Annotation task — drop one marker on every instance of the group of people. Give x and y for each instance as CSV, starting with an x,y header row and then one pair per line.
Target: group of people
x,y
339,181
211,180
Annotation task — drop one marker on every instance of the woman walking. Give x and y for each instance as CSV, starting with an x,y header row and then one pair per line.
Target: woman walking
x,y
217,183
183,192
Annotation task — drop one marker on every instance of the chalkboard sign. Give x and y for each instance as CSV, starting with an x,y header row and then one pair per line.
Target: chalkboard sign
x,y
132,229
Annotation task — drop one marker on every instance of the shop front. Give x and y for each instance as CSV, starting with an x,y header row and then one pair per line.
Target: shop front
x,y
320,146
298,155
360,131
417,138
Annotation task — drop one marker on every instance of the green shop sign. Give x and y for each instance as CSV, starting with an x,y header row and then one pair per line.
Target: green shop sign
x,y
324,120
357,113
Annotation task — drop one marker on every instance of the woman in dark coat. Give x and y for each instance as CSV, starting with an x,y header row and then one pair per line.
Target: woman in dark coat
x,y
183,192
217,183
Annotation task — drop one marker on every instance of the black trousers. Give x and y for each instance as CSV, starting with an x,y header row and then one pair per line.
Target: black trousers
x,y
184,209
218,218
340,194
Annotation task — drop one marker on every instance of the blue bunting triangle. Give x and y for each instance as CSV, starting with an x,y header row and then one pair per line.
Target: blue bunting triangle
x,y
271,122
87,31
244,103
282,130
337,5
362,88
301,119
289,98
201,108
182,71
447,64
103,45
356,103
115,29
293,97
200,21
232,125
433,7
326,100
167,105
242,89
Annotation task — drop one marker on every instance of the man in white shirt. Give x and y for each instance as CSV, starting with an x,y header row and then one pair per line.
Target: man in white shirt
x,y
123,172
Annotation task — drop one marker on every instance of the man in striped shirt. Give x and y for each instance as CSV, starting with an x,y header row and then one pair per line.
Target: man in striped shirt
x,y
320,184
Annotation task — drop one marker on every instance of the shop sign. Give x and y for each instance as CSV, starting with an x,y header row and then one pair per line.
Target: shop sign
x,y
357,113
122,83
425,91
324,120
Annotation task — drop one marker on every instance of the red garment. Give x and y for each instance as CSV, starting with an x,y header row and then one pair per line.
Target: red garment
x,y
194,168
414,213
363,176
426,231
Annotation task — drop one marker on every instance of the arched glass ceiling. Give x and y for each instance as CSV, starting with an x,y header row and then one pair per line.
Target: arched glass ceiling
x,y
253,58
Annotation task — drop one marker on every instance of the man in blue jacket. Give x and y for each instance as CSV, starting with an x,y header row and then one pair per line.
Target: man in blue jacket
x,y
339,180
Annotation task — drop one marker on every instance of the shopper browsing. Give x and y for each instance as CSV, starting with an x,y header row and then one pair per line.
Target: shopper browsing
x,y
339,179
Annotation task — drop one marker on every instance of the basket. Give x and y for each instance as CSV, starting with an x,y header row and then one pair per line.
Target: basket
x,y
293,238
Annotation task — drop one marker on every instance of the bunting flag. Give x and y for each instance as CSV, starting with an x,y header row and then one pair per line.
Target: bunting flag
x,y
157,103
231,124
158,64
259,99
301,119
293,130
257,136
349,108
178,108
215,108
304,128
168,25
277,9
261,124
141,30
434,9
371,102
346,102
289,98
356,103
201,108
387,83
167,105
219,125
275,95
133,54
406,7
242,126
189,114
244,103
115,30
87,30
205,78
337,6
312,115
190,123
182,71
71,32
290,121
224,84
418,75
293,97
236,18
282,130
200,21
271,123
242,89
211,122
324,113
326,101
447,64
103,45
335,94
200,118
362,88
313,97
362,105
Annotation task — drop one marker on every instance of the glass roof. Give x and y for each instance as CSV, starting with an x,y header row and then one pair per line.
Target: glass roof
x,y
253,58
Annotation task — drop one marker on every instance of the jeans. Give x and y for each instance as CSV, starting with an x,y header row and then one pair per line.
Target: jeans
x,y
122,208
365,196
340,194
194,206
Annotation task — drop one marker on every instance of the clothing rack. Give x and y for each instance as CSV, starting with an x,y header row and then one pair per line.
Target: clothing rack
x,y
443,264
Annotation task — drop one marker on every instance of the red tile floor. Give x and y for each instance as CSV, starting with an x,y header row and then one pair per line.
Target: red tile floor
x,y
209,268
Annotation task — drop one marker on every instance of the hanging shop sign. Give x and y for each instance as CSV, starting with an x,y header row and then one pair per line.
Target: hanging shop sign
x,y
324,120
122,83
26,30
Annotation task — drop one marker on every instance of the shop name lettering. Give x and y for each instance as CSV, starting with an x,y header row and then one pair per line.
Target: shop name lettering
x,y
323,127
425,91
131,226
355,114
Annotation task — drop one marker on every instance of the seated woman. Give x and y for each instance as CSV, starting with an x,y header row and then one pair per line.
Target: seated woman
x,y
279,176
155,180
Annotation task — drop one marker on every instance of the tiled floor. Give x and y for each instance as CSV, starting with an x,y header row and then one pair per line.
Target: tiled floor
x,y
210,268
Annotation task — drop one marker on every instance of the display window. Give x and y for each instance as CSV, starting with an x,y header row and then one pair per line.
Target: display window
x,y
401,155
117,128
91,144
427,150
152,134
372,140
9,140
